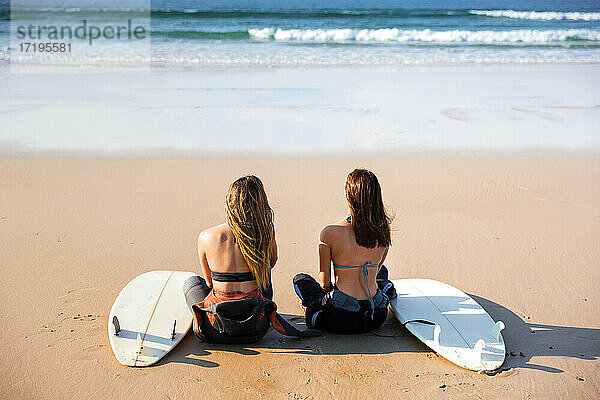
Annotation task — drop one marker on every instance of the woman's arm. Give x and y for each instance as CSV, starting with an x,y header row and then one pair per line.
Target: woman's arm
x,y
203,259
325,259
385,253
274,252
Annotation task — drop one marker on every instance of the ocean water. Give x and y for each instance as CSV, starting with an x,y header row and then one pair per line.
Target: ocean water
x,y
452,75
273,32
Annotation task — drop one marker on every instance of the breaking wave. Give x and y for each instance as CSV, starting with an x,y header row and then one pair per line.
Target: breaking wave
x,y
425,35
540,15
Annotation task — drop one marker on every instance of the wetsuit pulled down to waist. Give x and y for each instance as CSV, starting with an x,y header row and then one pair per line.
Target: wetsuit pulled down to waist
x,y
234,317
337,312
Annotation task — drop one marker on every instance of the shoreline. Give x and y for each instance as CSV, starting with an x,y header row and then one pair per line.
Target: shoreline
x,y
177,67
153,65
481,123
304,110
166,154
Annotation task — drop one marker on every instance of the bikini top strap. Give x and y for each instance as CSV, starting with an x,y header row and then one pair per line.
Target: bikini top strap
x,y
231,276
364,269
368,264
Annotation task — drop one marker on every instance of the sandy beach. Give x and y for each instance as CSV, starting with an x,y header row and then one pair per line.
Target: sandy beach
x,y
480,118
517,231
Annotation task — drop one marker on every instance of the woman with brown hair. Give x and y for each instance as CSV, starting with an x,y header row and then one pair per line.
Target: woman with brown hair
x,y
233,302
356,247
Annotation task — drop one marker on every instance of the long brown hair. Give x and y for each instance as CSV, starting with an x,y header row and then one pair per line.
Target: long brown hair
x,y
369,218
251,219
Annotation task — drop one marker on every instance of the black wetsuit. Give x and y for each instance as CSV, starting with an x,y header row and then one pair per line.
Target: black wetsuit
x,y
337,312
234,316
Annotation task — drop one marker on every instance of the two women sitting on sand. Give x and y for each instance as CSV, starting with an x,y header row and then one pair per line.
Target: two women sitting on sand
x,y
233,302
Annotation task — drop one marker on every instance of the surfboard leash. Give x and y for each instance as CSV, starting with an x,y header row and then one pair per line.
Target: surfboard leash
x,y
383,335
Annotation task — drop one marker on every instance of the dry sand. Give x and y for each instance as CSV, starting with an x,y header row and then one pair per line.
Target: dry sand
x,y
519,232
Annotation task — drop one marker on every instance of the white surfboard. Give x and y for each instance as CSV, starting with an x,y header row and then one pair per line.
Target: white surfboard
x,y
149,317
450,323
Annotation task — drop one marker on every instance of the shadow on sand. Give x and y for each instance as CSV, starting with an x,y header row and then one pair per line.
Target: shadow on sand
x,y
526,340
391,337
523,341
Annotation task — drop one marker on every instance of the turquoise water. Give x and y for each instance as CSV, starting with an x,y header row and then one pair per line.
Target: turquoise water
x,y
342,32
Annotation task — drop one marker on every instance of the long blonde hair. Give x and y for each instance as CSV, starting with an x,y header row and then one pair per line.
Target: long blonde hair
x,y
251,219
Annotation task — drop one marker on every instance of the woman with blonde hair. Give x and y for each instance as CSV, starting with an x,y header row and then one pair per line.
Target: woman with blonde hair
x,y
233,302
356,248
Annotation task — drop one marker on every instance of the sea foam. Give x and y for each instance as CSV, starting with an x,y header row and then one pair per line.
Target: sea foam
x,y
540,15
425,35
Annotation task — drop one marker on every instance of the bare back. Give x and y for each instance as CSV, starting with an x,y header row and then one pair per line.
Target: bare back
x,y
338,245
219,252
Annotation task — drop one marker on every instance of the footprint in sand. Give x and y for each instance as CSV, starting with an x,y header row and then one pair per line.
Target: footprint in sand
x,y
78,295
86,317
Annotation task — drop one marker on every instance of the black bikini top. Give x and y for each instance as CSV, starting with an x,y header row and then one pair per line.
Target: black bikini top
x,y
231,276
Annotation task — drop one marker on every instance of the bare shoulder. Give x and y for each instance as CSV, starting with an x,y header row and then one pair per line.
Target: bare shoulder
x,y
331,233
213,234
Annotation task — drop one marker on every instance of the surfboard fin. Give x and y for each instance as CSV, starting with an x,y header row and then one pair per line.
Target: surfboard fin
x,y
115,322
173,333
139,344
479,345
495,331
436,335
